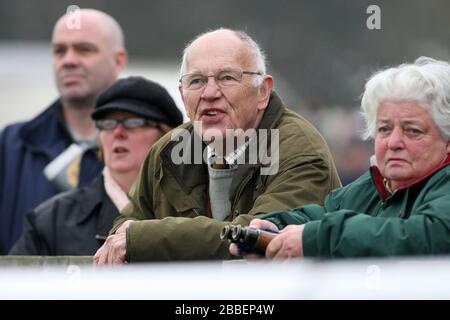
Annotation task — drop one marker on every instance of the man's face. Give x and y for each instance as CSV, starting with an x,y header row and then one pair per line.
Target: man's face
x,y
408,144
84,61
223,107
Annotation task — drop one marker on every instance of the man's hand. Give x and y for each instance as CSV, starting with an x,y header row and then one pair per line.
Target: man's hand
x,y
124,227
288,244
115,247
257,224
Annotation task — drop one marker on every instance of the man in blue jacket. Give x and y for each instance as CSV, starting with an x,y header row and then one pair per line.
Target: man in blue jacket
x,y
56,150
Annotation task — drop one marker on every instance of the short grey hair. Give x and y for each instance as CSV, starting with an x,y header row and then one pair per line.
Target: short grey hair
x,y
258,53
427,82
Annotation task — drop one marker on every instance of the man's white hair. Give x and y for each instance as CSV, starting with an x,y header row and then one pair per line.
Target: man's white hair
x,y
258,54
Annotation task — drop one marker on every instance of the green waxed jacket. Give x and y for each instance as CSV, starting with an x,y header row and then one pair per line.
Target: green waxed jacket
x,y
172,199
362,219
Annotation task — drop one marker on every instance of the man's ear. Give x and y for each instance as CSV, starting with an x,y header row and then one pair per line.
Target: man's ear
x,y
264,92
121,60
180,88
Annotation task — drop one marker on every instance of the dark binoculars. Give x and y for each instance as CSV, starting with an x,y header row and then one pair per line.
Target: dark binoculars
x,y
247,237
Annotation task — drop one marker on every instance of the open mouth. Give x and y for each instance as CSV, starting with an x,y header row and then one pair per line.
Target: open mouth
x,y
120,150
212,115
211,112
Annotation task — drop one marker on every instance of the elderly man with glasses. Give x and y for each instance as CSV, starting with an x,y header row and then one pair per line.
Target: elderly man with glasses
x,y
205,174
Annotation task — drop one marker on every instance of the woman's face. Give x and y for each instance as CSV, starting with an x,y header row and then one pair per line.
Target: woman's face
x,y
124,150
408,144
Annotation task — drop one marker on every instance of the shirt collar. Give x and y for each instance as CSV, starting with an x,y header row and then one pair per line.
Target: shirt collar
x,y
232,157
387,186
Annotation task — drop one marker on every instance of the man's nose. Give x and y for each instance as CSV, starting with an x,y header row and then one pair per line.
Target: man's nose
x,y
211,89
71,58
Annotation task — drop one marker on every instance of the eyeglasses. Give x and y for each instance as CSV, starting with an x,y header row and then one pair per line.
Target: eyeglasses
x,y
130,123
224,78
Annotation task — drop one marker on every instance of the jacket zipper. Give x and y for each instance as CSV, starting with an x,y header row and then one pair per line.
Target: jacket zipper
x,y
238,194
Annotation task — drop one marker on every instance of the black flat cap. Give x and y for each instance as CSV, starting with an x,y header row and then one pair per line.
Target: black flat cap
x,y
140,96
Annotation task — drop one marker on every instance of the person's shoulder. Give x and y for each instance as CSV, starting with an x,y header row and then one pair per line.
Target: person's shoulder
x,y
299,135
15,130
362,185
361,182
445,171
11,141
175,135
296,124
42,120
61,205
66,197
10,131
441,178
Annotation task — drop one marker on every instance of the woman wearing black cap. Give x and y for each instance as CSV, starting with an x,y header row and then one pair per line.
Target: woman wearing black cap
x,y
131,116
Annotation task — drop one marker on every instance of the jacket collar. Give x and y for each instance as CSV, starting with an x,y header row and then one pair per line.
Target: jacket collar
x,y
379,179
92,196
273,112
191,175
95,201
43,133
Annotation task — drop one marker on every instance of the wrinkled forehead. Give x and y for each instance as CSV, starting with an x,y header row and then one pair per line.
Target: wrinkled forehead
x,y
403,110
218,51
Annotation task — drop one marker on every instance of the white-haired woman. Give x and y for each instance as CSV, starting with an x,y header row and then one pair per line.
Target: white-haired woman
x,y
401,206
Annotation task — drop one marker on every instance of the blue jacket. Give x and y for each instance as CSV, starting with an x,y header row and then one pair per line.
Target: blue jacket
x,y
25,149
